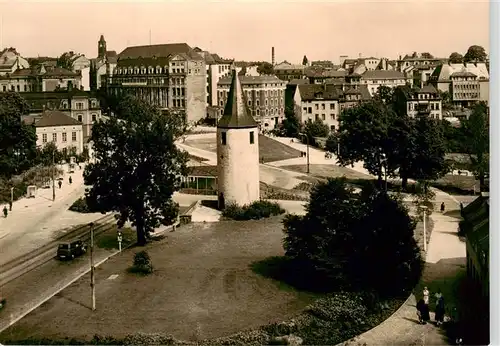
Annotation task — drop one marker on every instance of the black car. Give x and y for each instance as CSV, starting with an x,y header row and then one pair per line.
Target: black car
x,y
70,250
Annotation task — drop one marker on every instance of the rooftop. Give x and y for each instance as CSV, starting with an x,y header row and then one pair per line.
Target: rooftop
x,y
309,92
56,118
383,74
159,50
252,80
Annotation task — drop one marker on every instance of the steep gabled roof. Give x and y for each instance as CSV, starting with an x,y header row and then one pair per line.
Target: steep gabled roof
x,y
56,118
383,74
310,92
236,114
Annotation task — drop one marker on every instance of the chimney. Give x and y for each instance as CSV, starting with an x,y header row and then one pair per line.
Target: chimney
x,y
272,56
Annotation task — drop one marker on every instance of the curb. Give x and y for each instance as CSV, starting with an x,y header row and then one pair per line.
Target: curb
x,y
353,339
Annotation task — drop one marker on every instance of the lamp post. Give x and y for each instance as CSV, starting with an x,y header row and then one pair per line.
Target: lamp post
x,y
92,269
424,208
307,149
384,163
11,198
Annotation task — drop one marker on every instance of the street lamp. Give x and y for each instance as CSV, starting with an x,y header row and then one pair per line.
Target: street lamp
x,y
11,198
92,269
307,144
53,176
384,163
424,209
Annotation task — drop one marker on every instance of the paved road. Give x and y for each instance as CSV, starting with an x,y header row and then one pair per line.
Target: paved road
x,y
33,222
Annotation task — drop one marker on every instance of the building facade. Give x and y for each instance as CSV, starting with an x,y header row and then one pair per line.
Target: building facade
x,y
102,66
170,76
81,106
286,71
425,101
40,79
10,61
217,68
377,78
466,83
265,98
58,128
319,102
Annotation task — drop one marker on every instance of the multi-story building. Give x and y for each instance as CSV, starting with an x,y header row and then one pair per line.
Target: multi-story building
x,y
286,71
265,97
320,75
425,101
59,128
417,59
374,79
40,79
10,61
103,65
318,102
170,76
82,106
466,83
217,68
353,96
420,73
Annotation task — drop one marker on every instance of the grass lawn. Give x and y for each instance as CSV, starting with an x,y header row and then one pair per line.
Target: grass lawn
x,y
202,287
457,184
269,149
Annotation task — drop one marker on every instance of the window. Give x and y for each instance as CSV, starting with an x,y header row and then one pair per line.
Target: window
x,y
309,110
54,137
94,117
316,106
316,116
249,102
252,139
73,136
323,106
258,112
332,116
323,116
223,138
64,137
80,117
257,102
44,138
25,87
332,106
437,106
79,105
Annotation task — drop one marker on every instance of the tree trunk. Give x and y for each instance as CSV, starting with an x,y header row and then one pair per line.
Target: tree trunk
x,y
482,185
380,179
141,232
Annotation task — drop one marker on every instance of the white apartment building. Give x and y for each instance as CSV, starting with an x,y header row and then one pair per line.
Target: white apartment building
x,y
374,79
318,102
425,101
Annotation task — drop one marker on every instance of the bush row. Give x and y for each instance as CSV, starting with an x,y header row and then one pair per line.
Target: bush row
x,y
255,211
80,206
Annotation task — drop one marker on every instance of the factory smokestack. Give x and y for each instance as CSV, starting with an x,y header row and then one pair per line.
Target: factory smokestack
x,y
272,56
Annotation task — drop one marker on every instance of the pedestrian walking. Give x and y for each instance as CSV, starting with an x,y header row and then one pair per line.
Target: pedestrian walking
x,y
59,183
70,180
440,311
5,211
422,312
426,295
442,207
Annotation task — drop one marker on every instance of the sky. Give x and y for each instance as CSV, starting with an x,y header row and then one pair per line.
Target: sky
x,y
246,30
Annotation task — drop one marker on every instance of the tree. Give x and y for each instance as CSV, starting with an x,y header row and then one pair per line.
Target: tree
x,y
364,136
346,240
305,61
384,94
428,159
314,129
64,62
456,58
475,53
17,139
49,154
243,71
265,68
138,167
476,129
291,123
427,55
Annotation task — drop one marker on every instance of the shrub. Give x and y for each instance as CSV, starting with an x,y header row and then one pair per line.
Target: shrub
x,y
81,206
142,263
255,211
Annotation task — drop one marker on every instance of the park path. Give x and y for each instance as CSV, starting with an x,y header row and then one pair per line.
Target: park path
x,y
33,222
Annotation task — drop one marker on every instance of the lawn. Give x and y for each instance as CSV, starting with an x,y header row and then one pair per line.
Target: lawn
x,y
328,171
269,149
202,287
458,184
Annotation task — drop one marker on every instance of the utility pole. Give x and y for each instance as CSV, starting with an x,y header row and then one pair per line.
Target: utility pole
x,y
92,269
53,176
11,198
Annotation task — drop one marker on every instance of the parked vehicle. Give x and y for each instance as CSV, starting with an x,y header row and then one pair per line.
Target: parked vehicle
x,y
2,302
70,250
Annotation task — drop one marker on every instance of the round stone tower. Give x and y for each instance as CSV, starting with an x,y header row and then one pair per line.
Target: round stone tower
x,y
237,151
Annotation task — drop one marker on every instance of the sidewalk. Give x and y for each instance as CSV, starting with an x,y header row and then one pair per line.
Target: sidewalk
x,y
32,221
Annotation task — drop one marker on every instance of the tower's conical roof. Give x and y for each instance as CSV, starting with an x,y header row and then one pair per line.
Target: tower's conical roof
x,y
236,114
102,38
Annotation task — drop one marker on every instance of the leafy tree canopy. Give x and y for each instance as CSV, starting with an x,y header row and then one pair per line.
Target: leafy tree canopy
x,y
305,61
265,68
64,61
456,58
291,124
17,140
427,55
314,129
475,53
138,167
477,141
347,240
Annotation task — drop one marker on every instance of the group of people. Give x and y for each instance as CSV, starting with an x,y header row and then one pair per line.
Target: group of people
x,y
423,308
